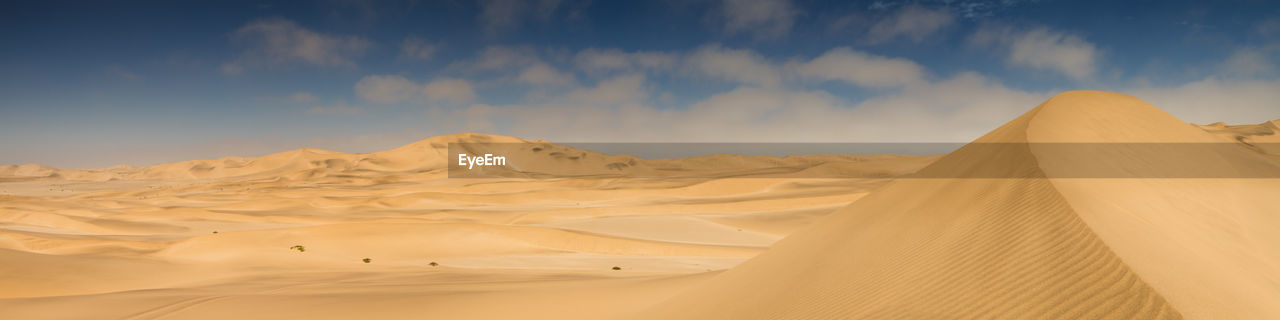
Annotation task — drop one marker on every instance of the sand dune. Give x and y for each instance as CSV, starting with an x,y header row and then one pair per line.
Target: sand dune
x,y
1026,230
530,158
1031,246
212,238
1263,138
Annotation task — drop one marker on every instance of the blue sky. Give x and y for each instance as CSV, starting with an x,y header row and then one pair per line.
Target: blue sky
x,y
93,84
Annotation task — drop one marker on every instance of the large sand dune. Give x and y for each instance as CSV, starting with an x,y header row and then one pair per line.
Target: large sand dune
x,y
1025,230
1031,246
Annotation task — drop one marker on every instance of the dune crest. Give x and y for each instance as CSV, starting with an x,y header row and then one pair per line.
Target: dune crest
x,y
302,163
1031,246
1263,137
431,157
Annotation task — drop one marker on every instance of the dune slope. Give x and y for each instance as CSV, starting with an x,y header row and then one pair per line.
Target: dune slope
x,y
1028,245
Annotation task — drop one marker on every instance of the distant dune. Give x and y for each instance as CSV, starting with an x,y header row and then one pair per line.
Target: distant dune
x,y
531,158
974,234
1263,138
285,235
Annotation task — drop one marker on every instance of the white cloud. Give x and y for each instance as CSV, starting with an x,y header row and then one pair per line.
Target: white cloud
x,y
387,89
957,108
749,67
598,61
762,109
1251,61
1236,101
396,89
277,41
862,69
742,66
1257,60
541,74
499,58
416,48
1043,49
911,22
764,19
449,90
620,110
612,91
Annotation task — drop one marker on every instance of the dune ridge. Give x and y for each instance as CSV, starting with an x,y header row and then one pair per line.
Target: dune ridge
x,y
537,158
1029,247
1263,137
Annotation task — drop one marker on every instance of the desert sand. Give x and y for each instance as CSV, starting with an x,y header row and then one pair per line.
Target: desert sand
x,y
716,237
1031,246
211,239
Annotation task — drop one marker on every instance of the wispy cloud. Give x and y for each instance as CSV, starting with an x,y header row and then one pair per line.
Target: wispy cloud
x,y
387,89
762,19
1042,49
542,74
281,42
862,69
414,47
620,110
600,61
449,90
497,58
1252,61
1258,59
1214,99
611,92
742,66
397,89
912,22
766,105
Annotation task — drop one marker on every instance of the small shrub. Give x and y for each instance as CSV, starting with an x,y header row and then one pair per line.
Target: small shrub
x,y
366,260
433,263
300,248
617,268
215,231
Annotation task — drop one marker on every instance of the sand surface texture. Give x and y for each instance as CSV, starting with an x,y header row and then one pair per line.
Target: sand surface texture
x,y
1031,246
